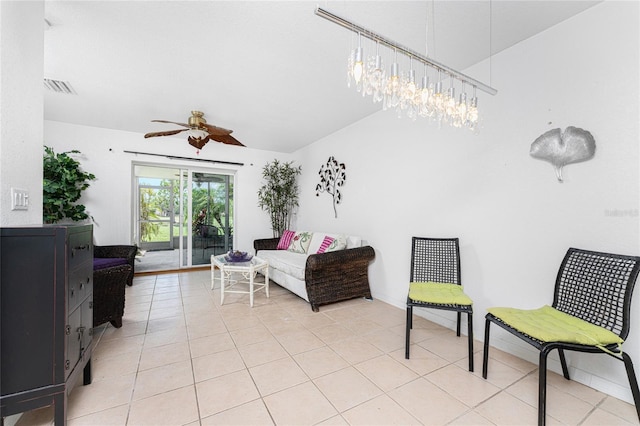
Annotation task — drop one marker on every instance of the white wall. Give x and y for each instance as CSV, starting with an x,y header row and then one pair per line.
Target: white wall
x,y
21,113
109,198
21,108
514,220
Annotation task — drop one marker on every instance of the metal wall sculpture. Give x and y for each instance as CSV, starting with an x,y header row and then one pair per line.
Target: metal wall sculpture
x,y
561,148
332,177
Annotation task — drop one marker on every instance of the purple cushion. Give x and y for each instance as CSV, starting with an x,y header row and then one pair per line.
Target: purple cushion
x,y
108,262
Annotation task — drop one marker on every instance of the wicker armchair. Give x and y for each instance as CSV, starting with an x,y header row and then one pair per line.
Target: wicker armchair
x,y
590,310
109,294
334,276
110,280
119,251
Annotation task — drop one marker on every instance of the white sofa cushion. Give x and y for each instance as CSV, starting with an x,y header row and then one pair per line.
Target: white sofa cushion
x,y
285,261
318,237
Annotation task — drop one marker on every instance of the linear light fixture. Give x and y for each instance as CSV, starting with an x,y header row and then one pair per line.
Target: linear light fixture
x,y
400,91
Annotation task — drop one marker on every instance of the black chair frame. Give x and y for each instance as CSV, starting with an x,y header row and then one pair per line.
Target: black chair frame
x,y
210,236
442,265
584,279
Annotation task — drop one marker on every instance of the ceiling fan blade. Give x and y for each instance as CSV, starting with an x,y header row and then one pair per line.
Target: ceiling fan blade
x,y
197,142
170,122
215,130
227,139
165,133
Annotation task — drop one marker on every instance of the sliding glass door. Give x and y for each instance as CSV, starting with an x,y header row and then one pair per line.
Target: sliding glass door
x,y
212,213
182,216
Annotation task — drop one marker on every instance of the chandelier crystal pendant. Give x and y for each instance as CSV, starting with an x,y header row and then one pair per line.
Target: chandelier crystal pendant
x,y
375,77
399,90
392,86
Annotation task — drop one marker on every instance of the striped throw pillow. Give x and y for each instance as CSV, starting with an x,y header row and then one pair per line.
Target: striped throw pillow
x,y
325,244
285,240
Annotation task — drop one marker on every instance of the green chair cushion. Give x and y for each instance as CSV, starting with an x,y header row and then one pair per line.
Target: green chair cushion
x,y
439,293
548,324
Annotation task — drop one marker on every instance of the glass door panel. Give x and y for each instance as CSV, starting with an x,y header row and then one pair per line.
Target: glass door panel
x,y
212,212
182,216
156,218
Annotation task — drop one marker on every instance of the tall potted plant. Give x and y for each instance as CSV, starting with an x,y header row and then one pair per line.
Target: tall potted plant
x,y
62,186
279,195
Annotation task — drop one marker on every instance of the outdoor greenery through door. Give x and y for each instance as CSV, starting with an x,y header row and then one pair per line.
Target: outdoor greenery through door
x,y
183,216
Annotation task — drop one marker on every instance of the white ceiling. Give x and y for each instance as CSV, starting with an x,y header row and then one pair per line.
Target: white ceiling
x,y
274,72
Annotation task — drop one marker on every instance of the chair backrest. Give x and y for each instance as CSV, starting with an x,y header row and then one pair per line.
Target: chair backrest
x,y
435,259
597,288
209,231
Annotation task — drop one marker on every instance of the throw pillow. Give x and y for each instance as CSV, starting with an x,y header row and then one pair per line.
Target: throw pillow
x,y
285,240
339,243
300,242
325,244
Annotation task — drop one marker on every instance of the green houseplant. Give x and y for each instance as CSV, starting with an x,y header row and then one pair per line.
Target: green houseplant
x,y
279,195
62,186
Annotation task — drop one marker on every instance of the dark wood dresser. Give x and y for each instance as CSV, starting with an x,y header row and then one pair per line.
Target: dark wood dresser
x,y
46,321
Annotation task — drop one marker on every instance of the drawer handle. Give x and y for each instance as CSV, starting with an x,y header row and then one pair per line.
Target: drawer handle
x,y
82,283
82,247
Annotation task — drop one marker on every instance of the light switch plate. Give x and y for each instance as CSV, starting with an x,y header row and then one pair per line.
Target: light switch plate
x,y
19,199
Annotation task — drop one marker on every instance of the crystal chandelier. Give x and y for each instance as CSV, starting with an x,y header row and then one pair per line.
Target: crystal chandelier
x,y
400,91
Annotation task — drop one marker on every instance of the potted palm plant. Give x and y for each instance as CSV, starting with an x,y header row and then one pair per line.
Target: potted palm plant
x,y
62,185
279,195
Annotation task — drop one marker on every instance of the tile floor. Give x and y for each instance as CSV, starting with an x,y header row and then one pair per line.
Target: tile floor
x,y
182,359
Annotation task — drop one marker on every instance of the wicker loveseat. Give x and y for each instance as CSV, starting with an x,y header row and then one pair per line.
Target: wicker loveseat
x,y
326,277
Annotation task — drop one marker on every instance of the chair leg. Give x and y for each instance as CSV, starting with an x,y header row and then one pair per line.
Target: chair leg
x,y
410,317
633,381
408,332
116,322
458,325
470,334
563,362
485,355
86,373
542,388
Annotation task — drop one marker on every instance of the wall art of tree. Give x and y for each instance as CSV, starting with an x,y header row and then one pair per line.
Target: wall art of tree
x,y
332,177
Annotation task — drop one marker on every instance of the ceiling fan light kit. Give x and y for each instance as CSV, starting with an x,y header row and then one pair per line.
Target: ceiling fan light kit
x,y
198,131
400,91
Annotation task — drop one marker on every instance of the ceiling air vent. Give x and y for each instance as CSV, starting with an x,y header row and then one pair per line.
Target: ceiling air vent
x,y
59,86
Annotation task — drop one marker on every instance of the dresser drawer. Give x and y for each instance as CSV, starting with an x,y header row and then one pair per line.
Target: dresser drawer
x,y
79,285
80,248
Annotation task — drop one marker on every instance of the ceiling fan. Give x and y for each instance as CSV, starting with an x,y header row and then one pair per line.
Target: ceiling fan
x,y
199,131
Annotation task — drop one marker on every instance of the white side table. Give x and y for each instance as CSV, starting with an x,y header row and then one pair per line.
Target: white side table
x,y
248,270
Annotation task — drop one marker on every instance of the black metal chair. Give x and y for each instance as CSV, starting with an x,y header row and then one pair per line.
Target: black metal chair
x,y
209,237
437,260
590,286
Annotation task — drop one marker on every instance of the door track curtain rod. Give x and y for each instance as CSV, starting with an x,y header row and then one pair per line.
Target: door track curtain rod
x,y
175,157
